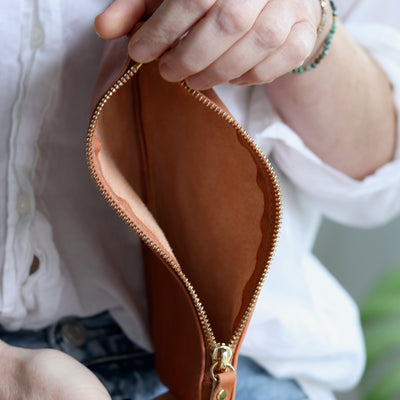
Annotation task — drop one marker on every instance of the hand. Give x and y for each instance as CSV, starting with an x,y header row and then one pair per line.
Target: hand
x,y
208,42
45,375
258,41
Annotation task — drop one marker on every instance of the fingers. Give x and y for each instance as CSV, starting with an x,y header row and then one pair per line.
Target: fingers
x,y
167,24
208,42
280,40
225,24
119,19
291,54
269,32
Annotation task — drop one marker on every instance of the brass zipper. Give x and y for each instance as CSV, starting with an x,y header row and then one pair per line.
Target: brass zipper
x,y
214,346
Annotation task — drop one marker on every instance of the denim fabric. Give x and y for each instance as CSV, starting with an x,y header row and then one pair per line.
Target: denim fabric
x,y
127,371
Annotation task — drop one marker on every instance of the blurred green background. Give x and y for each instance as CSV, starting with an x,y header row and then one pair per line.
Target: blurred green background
x,y
362,259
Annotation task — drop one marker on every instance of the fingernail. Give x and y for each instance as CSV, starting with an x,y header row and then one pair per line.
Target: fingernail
x,y
239,82
168,73
139,51
198,82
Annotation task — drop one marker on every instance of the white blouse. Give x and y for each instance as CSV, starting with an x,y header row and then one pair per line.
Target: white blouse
x,y
305,325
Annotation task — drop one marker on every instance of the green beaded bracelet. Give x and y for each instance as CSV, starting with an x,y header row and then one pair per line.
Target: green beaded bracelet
x,y
325,49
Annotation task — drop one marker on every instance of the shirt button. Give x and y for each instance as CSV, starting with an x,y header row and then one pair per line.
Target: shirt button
x,y
37,36
73,333
23,203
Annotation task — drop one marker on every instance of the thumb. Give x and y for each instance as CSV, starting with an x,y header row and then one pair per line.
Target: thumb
x,y
119,19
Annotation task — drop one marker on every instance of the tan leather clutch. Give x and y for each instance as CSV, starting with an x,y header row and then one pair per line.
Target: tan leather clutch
x,y
182,173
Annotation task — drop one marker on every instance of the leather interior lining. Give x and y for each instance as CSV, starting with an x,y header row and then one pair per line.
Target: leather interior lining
x,y
205,197
119,161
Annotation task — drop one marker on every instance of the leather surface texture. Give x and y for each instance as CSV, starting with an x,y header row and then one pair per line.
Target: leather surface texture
x,y
225,383
179,170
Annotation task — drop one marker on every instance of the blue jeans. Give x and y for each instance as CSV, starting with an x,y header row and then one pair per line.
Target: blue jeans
x,y
126,370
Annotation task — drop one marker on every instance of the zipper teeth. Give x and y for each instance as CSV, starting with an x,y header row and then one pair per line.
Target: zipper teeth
x,y
278,201
204,321
206,326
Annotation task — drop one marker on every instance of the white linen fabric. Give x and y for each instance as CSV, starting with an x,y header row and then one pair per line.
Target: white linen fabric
x,y
305,325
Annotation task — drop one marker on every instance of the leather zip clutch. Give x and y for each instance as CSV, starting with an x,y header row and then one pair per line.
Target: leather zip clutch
x,y
185,176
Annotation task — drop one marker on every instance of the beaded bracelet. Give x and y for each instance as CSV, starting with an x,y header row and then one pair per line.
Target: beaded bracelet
x,y
324,15
325,49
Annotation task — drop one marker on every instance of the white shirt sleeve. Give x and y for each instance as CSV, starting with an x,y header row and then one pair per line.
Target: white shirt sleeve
x,y
375,199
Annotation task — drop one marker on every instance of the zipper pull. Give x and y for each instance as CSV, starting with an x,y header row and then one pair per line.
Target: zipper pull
x,y
222,356
136,66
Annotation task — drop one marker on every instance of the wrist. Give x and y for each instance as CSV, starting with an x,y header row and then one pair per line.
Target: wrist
x,y
323,32
315,58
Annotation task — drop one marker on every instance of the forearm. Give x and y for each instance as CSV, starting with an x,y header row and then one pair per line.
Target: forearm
x,y
343,110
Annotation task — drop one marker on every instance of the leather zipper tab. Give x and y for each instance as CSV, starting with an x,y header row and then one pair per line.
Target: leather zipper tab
x,y
224,388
